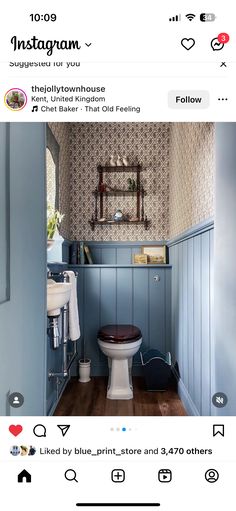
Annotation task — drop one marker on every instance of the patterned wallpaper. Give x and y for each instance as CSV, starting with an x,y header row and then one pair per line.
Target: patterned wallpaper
x,y
93,144
51,179
178,163
192,164
61,133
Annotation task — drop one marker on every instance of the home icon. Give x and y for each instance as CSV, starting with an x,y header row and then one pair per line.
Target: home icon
x,y
24,476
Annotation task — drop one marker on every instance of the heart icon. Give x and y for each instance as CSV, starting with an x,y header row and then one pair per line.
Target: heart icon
x,y
188,43
15,429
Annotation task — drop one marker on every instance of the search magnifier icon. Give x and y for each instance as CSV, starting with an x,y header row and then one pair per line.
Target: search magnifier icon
x,y
70,475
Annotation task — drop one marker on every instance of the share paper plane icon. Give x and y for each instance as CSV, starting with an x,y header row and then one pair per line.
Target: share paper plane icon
x,y
64,428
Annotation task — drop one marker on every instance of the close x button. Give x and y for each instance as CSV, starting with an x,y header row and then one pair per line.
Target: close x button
x,y
186,99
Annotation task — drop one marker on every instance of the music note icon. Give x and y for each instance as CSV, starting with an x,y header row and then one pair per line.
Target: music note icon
x,y
35,108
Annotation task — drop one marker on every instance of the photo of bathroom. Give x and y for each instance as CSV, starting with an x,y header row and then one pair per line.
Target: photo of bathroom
x,y
117,278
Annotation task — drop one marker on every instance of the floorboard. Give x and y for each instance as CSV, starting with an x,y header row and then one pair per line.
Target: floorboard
x,y
89,399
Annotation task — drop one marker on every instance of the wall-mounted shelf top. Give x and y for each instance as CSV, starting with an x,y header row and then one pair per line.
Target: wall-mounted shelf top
x,y
144,222
147,266
120,192
120,168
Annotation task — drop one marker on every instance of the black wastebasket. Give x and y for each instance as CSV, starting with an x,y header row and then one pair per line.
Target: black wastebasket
x,y
157,369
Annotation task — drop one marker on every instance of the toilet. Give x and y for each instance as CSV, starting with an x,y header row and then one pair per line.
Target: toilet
x,y
119,343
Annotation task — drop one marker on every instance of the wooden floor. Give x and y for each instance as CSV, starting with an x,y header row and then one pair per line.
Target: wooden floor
x,y
90,399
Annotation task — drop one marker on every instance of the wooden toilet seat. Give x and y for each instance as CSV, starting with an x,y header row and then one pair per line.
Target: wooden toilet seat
x,y
119,333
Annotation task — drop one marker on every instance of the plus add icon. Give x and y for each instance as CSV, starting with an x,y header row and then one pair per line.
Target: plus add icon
x,y
118,475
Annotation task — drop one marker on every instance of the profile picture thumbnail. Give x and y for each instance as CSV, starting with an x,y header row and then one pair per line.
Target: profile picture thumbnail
x,y
15,99
23,450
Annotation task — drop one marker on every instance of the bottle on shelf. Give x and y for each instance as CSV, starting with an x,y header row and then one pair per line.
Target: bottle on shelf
x,y
125,161
119,162
112,161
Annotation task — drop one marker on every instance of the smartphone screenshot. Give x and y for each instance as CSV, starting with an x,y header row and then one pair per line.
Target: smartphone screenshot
x,y
117,255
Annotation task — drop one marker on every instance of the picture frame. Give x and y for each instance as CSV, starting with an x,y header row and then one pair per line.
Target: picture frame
x,y
156,254
140,259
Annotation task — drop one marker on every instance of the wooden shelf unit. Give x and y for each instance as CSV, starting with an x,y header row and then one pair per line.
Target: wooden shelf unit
x,y
139,193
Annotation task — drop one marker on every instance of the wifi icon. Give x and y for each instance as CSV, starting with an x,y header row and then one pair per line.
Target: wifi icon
x,y
190,17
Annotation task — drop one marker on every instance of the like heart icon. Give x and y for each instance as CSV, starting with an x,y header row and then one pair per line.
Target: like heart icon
x,y
188,43
15,429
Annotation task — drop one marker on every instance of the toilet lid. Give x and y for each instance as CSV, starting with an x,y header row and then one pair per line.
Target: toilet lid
x,y
119,333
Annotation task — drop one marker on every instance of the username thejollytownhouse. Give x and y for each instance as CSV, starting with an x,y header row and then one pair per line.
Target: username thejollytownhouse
x,y
86,95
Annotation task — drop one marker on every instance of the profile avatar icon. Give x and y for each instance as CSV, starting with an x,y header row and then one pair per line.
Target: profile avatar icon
x,y
32,451
15,450
24,450
211,475
15,99
16,401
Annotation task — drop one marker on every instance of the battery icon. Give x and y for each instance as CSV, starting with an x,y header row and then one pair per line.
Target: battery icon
x,y
207,16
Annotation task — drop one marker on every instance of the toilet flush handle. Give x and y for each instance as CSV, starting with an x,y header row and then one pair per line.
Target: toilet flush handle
x,y
157,278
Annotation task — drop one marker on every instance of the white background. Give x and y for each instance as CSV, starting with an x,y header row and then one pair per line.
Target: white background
x,y
136,54
187,490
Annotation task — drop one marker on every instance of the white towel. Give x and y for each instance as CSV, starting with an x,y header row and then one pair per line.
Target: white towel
x,y
74,327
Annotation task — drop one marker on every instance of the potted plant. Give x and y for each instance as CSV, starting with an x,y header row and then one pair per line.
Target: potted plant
x,y
54,219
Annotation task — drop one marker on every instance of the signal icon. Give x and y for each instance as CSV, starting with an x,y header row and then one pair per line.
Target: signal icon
x,y
176,18
190,17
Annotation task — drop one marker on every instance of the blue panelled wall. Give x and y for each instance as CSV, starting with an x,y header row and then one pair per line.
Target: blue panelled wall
x,y
174,313
191,256
123,295
116,291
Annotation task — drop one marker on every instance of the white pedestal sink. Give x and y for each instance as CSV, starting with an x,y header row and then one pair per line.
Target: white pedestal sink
x,y
58,294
